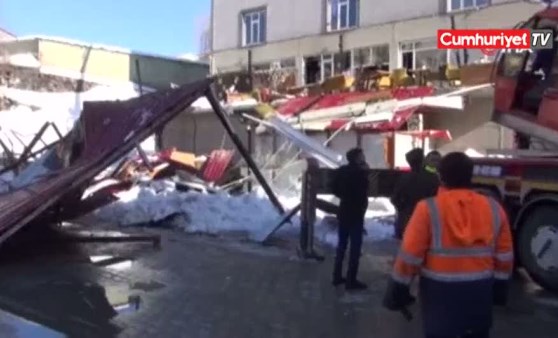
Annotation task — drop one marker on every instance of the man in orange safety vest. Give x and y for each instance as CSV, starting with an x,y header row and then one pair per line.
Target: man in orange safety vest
x,y
460,244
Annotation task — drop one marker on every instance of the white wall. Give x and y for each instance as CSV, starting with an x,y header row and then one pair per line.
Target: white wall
x,y
506,15
381,11
283,21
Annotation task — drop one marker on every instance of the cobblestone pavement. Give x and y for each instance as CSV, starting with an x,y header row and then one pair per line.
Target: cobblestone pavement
x,y
203,287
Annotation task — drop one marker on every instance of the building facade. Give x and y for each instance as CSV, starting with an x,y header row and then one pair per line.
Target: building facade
x,y
320,38
103,64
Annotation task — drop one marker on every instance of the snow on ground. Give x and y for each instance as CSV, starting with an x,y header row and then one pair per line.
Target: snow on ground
x,y
222,213
5,180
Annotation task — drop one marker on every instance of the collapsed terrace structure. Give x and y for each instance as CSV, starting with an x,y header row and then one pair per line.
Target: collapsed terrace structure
x,y
105,133
386,113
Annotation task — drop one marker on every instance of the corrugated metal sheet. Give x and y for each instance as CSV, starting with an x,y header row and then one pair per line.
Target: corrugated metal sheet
x,y
298,105
217,164
111,130
399,119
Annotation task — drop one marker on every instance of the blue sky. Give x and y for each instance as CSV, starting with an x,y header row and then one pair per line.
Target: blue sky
x,y
169,27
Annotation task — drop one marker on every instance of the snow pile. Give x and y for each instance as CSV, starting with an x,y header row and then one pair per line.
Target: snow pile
x,y
20,124
189,57
27,60
207,213
221,213
5,180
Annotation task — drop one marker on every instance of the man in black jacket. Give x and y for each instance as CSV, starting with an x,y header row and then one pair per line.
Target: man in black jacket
x,y
411,188
350,185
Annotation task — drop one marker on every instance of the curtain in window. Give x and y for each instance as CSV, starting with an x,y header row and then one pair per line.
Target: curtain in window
x,y
263,26
353,10
248,29
334,14
255,26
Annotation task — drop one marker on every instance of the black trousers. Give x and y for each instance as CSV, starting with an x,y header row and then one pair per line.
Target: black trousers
x,y
348,234
483,334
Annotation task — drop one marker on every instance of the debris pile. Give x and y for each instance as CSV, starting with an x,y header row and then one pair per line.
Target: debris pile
x,y
99,166
162,204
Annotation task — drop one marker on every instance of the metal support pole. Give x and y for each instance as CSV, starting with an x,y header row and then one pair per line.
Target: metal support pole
x,y
250,150
250,71
144,157
29,148
245,154
308,212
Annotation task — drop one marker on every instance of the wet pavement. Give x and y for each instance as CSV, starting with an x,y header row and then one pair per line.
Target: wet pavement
x,y
211,287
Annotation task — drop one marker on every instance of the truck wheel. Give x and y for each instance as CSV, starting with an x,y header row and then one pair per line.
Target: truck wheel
x,y
538,246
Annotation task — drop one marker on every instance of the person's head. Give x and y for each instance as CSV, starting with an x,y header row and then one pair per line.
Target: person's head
x,y
456,171
355,156
432,161
415,158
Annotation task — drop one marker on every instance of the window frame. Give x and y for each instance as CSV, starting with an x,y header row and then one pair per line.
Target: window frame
x,y
327,59
462,6
413,50
372,58
257,16
332,25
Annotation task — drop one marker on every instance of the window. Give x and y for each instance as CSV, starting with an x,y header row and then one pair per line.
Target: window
x,y
254,27
422,54
362,57
342,14
371,56
459,5
312,69
327,66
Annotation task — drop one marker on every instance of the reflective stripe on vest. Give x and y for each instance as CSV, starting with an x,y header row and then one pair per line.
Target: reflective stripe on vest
x,y
437,248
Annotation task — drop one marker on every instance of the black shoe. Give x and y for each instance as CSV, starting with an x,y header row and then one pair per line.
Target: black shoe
x,y
356,286
338,281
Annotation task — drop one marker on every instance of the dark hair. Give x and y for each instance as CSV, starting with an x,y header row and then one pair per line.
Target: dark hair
x,y
353,154
434,153
456,170
415,158
433,158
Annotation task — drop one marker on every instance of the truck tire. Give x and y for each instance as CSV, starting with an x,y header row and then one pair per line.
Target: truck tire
x,y
537,246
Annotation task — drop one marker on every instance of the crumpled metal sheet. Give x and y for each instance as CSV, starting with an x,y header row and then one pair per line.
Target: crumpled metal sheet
x,y
216,165
109,131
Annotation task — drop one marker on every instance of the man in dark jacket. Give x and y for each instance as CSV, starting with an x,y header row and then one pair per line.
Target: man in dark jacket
x,y
412,188
350,185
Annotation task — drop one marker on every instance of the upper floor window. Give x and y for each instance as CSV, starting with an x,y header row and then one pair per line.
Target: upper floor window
x,y
254,25
342,14
459,5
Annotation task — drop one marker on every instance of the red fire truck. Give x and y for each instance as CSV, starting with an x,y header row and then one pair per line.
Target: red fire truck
x,y
526,182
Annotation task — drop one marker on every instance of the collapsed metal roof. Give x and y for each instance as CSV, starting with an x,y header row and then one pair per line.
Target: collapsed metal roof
x,y
106,132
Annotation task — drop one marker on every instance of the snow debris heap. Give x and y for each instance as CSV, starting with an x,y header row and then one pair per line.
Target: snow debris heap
x,y
159,203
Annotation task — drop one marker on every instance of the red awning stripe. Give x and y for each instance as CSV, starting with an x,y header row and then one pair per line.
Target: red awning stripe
x,y
397,122
298,105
